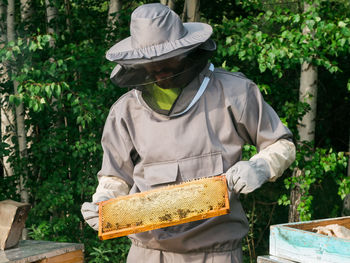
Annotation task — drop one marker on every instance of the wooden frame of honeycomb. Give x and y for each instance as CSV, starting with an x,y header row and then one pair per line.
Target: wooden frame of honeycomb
x,y
163,207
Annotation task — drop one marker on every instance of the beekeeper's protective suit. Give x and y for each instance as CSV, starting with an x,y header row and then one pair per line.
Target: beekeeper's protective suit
x,y
184,120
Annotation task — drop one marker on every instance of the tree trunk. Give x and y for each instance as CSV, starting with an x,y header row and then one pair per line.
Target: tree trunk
x,y
169,3
113,17
26,15
346,202
7,130
113,13
192,10
51,15
21,132
7,115
10,20
308,93
2,22
26,12
349,156
306,128
68,14
4,124
295,198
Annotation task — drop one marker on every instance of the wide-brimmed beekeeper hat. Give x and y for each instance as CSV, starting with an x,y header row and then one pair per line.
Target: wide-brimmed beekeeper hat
x,y
157,33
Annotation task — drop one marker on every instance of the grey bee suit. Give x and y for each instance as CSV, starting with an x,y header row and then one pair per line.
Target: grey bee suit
x,y
148,149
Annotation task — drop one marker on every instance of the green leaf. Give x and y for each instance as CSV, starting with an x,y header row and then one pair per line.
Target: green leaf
x,y
296,18
33,46
58,90
341,24
46,38
262,67
8,55
12,98
36,107
52,68
241,54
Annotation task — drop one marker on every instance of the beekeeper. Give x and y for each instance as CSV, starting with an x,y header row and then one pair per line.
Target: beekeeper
x,y
184,119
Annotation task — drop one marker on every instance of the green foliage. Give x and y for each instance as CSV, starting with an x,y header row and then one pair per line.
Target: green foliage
x,y
266,43
316,165
66,93
111,251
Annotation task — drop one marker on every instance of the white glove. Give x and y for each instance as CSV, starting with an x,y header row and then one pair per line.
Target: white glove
x,y
246,176
108,187
90,214
269,164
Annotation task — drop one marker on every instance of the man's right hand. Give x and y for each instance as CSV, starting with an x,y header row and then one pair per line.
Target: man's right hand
x,y
90,214
108,187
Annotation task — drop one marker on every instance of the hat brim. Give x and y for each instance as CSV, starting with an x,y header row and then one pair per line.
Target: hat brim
x,y
197,34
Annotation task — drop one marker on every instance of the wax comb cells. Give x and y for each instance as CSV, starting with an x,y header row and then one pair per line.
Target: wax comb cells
x,y
163,207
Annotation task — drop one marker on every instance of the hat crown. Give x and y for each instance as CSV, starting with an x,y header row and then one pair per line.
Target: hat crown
x,y
153,24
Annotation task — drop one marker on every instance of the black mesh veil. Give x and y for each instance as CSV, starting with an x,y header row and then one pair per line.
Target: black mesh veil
x,y
172,72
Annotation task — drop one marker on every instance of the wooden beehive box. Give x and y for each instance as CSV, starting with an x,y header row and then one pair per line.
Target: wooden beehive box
x,y
163,207
297,242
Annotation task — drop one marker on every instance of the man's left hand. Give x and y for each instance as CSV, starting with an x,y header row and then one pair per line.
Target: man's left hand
x,y
246,176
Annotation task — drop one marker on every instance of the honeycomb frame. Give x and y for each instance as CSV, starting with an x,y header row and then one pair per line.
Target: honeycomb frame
x,y
197,190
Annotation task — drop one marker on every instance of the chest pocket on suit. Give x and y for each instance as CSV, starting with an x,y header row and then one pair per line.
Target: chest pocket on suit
x,y
157,174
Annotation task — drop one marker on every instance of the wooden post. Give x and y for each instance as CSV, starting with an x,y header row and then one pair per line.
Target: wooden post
x,y
13,216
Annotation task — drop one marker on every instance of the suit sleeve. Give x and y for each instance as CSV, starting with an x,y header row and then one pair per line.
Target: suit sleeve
x,y
259,123
115,176
263,128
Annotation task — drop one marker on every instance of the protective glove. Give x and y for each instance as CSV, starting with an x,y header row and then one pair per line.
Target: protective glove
x,y
269,164
246,176
90,214
108,187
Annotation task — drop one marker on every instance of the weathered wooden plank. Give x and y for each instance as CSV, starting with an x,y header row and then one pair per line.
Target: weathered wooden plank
x,y
12,221
34,250
290,241
309,225
70,257
272,259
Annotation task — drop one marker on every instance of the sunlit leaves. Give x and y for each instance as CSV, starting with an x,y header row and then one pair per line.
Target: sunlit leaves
x,y
274,44
316,165
275,40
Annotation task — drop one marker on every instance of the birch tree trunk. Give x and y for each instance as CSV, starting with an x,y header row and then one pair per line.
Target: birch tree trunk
x,y
26,15
68,14
346,202
51,16
26,12
169,3
308,94
21,132
2,22
7,114
113,14
192,10
306,128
